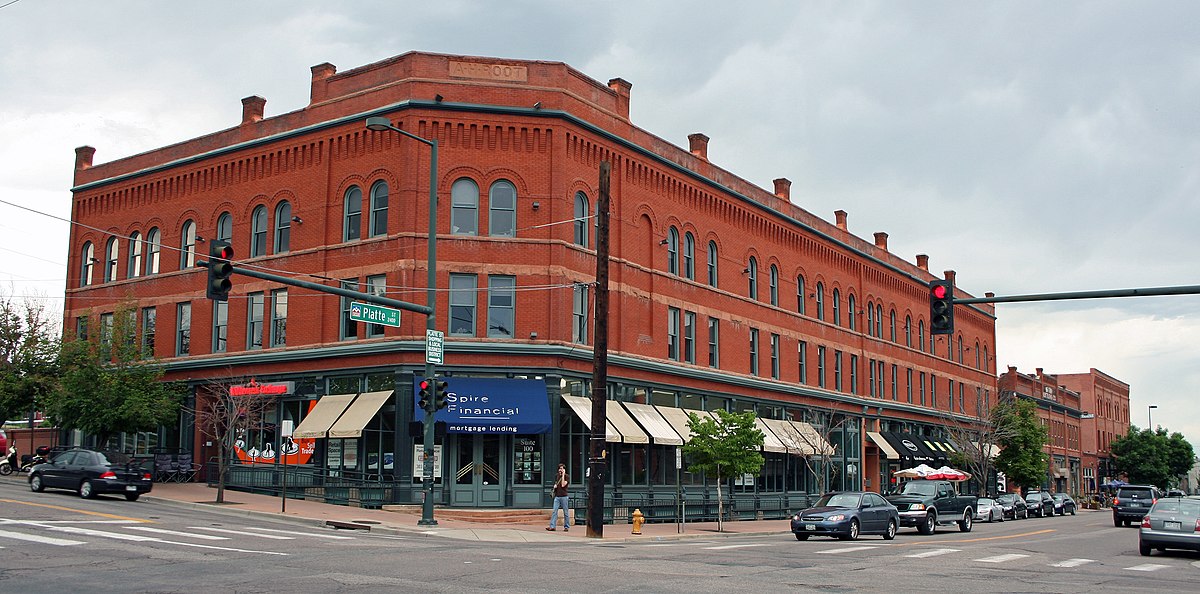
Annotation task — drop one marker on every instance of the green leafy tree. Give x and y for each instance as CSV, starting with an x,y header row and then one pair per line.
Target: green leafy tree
x,y
28,357
1022,438
1152,457
108,388
724,447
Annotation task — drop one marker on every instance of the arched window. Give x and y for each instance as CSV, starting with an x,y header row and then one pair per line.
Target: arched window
x,y
960,349
283,227
689,256
977,355
800,294
134,269
774,285
892,325
87,264
986,359
187,252
352,214
752,269
464,207
379,209
820,297
921,334
581,219
908,331
153,249
837,307
870,319
258,231
879,320
850,305
712,264
672,251
502,209
111,251
225,227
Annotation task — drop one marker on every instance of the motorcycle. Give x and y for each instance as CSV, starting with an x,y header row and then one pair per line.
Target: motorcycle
x,y
9,462
41,456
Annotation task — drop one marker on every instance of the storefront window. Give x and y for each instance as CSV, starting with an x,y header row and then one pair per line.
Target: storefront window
x,y
662,398
527,460
691,401
346,384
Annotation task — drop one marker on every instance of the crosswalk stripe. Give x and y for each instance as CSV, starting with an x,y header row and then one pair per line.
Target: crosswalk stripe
x,y
178,533
1072,563
60,542
101,533
1147,567
736,546
224,531
933,553
331,536
1002,558
844,550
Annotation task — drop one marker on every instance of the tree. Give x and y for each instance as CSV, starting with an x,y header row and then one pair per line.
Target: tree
x,y
28,357
1022,438
977,441
1152,457
814,446
724,446
225,419
107,388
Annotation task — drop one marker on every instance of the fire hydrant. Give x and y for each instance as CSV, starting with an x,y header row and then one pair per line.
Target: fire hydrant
x,y
638,520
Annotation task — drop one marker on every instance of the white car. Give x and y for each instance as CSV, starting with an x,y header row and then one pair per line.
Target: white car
x,y
988,510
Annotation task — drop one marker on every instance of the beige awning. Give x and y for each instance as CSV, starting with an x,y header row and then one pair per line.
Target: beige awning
x,y
810,440
678,418
884,446
629,430
359,413
659,429
323,416
583,410
772,442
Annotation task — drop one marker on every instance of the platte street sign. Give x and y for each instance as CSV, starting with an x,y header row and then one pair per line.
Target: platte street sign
x,y
374,314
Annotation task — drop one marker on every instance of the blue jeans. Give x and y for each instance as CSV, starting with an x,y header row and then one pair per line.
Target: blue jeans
x,y
561,503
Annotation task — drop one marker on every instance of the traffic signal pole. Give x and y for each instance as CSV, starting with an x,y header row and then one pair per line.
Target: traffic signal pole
x,y
1146,292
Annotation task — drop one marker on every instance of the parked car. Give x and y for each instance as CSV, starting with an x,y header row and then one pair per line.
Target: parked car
x,y
3,441
847,515
925,504
1063,504
1131,503
989,510
1013,505
1170,492
1040,504
91,473
1171,523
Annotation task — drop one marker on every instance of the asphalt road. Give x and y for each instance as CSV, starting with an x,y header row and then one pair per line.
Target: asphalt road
x,y
55,542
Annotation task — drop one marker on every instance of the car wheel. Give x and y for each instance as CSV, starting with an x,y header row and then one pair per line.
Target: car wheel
x,y
132,496
1143,548
1116,521
964,525
801,537
85,490
1001,517
929,525
1072,511
853,534
35,484
891,530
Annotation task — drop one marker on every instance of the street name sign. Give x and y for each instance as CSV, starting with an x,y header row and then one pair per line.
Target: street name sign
x,y
374,314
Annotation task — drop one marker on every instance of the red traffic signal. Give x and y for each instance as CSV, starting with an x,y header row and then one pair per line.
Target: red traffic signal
x,y
941,307
220,268
424,395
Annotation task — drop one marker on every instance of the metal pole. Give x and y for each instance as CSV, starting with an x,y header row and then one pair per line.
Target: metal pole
x,y
1149,418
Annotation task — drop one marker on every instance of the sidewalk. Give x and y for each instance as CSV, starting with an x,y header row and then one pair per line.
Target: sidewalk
x,y
312,513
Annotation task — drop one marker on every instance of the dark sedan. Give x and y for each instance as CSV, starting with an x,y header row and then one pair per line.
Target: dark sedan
x,y
1040,504
1171,523
1013,505
1063,504
847,515
91,473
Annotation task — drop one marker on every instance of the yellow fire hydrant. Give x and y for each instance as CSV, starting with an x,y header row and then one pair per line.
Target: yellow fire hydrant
x,y
638,520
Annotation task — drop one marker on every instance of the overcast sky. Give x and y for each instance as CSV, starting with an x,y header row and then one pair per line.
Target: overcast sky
x,y
1060,140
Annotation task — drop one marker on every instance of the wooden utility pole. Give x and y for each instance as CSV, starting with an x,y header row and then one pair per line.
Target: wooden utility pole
x,y
597,461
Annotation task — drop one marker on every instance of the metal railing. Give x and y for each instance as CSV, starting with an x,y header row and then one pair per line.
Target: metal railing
x,y
618,509
339,487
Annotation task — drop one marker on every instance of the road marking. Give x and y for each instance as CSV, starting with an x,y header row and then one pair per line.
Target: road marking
x,y
1002,558
844,550
736,546
933,553
58,542
178,533
79,511
240,533
119,536
1147,567
71,522
332,536
1072,563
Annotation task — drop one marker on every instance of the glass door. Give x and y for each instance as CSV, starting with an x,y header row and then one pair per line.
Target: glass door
x,y
480,474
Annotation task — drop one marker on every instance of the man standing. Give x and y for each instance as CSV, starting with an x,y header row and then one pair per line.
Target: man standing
x,y
560,500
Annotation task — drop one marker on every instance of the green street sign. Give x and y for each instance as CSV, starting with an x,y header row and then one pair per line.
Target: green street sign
x,y
374,314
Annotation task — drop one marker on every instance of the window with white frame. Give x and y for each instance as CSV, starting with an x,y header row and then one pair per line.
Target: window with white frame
x,y
279,312
134,267
502,209
464,207
672,251
712,264
255,315
111,258
220,332
714,342
673,321
352,214
689,337
754,351
258,231
183,328
582,219
689,256
502,316
187,254
775,356
225,227
802,360
579,317
153,250
283,227
87,264
379,209
463,291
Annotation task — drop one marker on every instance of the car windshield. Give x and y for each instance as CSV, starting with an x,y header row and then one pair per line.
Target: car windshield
x,y
1033,497
919,488
112,458
1133,493
1005,499
839,500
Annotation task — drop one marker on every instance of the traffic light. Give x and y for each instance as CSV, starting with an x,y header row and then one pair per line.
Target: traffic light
x,y
220,268
424,395
439,394
941,307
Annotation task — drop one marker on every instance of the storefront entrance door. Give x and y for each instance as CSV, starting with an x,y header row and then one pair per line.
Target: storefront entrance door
x,y
481,472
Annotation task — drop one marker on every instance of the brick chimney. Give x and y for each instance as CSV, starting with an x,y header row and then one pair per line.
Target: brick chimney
x,y
83,157
252,109
949,275
783,188
320,74
622,87
881,240
698,144
923,262
840,217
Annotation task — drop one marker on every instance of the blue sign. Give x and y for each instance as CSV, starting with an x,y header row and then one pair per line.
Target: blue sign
x,y
491,405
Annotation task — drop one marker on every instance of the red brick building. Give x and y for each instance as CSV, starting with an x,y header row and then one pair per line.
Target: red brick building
x,y
723,295
1104,401
1059,409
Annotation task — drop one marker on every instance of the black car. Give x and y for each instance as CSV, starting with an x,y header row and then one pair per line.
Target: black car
x,y
1040,504
91,473
1013,505
1063,504
1131,503
847,515
1171,523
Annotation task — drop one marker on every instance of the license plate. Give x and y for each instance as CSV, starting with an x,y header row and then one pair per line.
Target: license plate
x,y
1135,504
810,527
1172,526
131,487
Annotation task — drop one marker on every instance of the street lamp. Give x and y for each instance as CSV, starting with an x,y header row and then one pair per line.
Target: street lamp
x,y
1149,420
380,124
